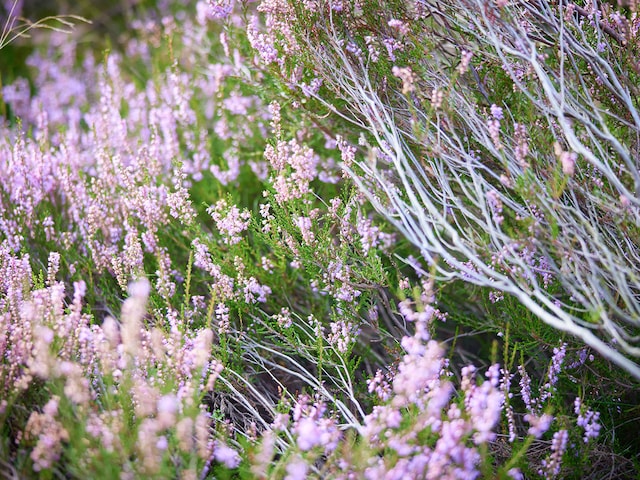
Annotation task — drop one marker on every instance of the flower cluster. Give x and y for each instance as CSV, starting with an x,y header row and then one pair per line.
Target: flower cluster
x,y
229,220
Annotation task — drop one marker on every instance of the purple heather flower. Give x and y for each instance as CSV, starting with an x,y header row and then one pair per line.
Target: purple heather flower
x,y
496,112
589,420
554,369
297,469
568,161
308,434
551,465
226,455
515,474
539,425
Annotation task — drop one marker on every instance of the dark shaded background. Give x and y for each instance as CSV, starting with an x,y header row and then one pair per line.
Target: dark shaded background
x,y
109,19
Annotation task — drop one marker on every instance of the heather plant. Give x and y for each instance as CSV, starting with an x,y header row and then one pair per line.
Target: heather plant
x,y
120,398
454,164
196,284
